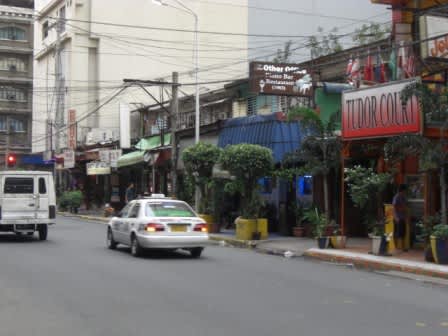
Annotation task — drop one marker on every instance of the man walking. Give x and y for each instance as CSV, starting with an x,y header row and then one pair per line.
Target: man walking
x,y
400,211
130,193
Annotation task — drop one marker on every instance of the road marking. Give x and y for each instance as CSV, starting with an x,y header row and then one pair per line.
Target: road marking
x,y
420,324
444,324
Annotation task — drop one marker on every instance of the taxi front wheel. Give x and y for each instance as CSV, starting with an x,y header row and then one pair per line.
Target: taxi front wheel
x,y
136,249
196,252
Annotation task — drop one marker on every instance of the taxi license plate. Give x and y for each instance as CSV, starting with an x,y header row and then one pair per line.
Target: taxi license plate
x,y
178,228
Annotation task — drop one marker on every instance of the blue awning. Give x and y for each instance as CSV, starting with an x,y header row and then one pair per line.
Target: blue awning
x,y
265,130
33,159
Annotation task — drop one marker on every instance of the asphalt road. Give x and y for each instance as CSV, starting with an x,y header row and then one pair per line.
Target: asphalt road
x,y
72,285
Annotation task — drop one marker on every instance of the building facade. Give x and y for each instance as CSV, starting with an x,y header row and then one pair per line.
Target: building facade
x,y
16,80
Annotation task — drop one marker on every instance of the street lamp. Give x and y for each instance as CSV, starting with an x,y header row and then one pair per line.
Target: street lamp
x,y
186,9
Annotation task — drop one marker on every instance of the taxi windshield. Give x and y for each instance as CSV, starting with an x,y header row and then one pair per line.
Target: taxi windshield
x,y
168,209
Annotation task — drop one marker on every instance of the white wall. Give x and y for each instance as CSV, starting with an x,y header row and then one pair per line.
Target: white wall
x,y
127,52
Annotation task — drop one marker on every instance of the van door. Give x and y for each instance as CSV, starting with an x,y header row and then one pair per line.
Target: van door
x,y
19,200
42,197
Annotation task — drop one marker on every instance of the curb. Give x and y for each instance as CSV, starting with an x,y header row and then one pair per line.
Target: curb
x,y
363,263
94,218
250,244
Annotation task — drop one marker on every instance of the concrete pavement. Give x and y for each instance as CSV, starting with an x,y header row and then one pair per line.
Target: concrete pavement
x,y
305,247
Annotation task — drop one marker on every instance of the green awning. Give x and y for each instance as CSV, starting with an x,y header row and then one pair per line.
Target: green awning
x,y
153,142
130,159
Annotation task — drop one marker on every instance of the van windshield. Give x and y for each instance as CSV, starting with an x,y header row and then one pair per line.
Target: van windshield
x,y
19,185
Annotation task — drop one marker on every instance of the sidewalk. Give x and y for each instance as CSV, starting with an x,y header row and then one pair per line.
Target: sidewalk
x,y
356,253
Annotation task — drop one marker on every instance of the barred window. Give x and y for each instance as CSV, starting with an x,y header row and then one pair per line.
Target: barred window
x,y
12,33
16,125
252,105
13,94
12,64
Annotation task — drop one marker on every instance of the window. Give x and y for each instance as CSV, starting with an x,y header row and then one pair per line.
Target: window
x,y
12,64
18,185
134,212
16,125
3,126
12,33
252,105
45,29
124,212
168,209
12,93
42,186
62,17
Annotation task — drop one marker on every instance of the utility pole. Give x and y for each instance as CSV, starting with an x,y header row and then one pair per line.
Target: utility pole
x,y
8,143
174,113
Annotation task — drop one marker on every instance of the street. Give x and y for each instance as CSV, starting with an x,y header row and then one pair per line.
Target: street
x,y
72,285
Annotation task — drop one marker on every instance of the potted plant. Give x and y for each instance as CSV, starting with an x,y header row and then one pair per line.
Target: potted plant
x,y
379,239
248,163
318,223
298,229
199,160
337,240
75,200
439,243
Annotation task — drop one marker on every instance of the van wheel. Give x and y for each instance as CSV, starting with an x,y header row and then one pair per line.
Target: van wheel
x,y
136,249
43,231
111,243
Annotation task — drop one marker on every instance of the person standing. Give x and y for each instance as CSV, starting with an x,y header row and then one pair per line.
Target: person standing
x,y
399,203
130,193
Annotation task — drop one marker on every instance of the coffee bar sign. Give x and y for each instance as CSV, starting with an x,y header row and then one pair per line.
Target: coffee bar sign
x,y
279,79
379,112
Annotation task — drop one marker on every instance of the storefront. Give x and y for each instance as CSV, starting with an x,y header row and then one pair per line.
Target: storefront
x,y
369,117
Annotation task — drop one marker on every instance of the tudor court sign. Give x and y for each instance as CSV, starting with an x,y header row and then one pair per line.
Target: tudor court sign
x,y
379,112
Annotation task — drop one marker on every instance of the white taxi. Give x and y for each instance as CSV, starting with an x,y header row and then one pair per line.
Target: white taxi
x,y
158,222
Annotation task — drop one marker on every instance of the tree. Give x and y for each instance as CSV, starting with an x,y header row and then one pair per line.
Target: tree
x,y
433,155
247,163
325,44
369,33
320,151
283,55
199,160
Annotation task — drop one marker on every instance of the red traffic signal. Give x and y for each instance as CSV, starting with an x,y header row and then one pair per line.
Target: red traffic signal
x,y
11,160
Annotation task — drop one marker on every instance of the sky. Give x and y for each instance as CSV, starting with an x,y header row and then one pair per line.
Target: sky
x,y
304,18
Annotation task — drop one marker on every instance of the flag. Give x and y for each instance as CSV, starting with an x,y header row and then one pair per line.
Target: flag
x,y
393,65
401,62
355,74
380,69
368,69
348,71
410,66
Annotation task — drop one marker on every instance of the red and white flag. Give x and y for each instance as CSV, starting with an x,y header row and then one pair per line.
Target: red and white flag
x,y
401,61
409,67
348,71
368,68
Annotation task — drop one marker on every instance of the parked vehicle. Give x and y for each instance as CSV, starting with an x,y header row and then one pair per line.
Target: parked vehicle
x,y
27,202
158,222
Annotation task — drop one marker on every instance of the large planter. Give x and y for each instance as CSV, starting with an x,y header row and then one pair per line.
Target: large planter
x,y
246,229
298,231
323,242
439,250
212,227
338,242
379,245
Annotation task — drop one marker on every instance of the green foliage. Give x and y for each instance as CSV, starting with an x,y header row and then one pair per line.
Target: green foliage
x,y
364,184
283,55
199,160
370,33
440,231
247,163
321,44
70,199
317,220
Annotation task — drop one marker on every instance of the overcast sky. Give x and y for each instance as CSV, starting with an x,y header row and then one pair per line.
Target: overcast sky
x,y
304,18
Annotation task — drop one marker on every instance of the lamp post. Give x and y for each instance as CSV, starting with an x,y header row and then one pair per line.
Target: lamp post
x,y
186,9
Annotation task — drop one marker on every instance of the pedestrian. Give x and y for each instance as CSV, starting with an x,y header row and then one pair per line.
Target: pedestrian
x,y
130,193
399,203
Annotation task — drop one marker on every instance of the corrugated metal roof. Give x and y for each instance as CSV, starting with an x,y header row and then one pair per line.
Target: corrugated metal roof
x,y
265,130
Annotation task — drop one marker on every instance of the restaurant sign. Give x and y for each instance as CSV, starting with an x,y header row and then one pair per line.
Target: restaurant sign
x,y
98,168
379,112
279,79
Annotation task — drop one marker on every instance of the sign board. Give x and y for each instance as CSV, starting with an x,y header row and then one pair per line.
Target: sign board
x,y
72,129
125,126
431,27
110,156
69,158
379,112
98,168
279,79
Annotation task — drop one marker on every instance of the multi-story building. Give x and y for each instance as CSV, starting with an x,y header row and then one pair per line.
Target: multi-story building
x,y
99,48
16,77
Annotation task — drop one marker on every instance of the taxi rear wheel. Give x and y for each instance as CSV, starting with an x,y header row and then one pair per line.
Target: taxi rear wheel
x,y
111,243
196,252
136,249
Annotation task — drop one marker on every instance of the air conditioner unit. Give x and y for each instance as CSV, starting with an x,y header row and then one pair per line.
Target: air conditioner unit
x,y
11,97
13,67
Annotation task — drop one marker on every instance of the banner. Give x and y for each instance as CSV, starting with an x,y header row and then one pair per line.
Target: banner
x,y
69,158
72,129
98,168
125,126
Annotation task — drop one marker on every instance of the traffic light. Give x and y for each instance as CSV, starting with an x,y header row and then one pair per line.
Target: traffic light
x,y
11,160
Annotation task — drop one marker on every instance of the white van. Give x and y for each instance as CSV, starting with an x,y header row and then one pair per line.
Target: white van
x,y
27,202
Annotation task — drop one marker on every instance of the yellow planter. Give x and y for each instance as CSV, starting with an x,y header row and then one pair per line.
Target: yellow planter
x,y
434,248
246,227
210,220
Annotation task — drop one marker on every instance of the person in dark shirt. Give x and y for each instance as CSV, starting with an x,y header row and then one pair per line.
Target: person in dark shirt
x,y
399,203
130,193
